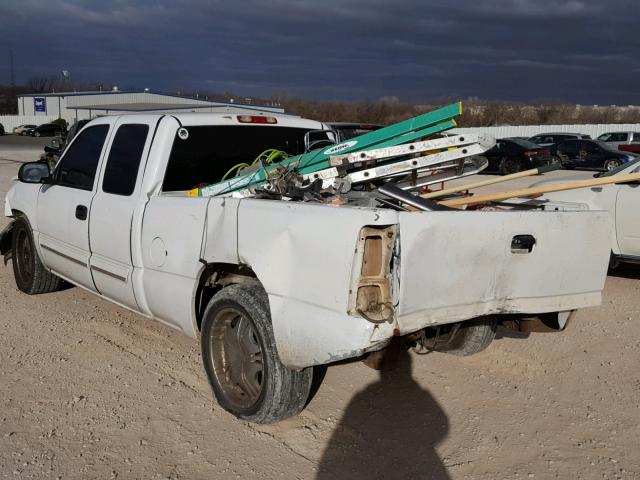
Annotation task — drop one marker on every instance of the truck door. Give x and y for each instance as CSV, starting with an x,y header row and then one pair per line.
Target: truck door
x,y
63,207
116,200
628,218
569,151
594,154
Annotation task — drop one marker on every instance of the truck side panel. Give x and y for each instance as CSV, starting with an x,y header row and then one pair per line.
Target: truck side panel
x,y
171,244
303,254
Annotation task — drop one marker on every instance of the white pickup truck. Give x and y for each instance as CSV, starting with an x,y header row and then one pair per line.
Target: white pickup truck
x,y
274,288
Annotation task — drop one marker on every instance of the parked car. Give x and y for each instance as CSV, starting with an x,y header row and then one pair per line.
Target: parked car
x,y
1,129
46,130
511,155
622,201
23,129
591,154
552,139
623,141
615,139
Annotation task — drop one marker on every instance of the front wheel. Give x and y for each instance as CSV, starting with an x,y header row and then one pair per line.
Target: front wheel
x,y
611,164
30,275
37,134
555,160
241,360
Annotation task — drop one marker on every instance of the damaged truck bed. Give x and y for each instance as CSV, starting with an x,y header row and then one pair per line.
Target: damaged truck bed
x,y
287,271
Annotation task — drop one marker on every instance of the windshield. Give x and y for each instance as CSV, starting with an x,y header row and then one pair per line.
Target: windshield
x,y
622,167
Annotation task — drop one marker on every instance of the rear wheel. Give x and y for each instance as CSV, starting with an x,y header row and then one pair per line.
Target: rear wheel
x,y
242,363
510,165
612,163
30,275
36,134
555,160
461,339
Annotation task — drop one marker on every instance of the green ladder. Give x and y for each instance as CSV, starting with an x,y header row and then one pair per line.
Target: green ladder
x,y
397,134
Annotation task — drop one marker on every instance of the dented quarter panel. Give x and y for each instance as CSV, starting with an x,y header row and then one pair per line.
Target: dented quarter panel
x,y
220,243
458,265
303,254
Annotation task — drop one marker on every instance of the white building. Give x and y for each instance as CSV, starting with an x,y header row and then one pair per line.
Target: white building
x,y
74,106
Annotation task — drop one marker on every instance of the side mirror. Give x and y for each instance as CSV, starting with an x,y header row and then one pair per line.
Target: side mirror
x,y
35,172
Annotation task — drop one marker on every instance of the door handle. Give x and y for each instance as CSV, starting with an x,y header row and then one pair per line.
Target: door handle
x,y
522,244
81,212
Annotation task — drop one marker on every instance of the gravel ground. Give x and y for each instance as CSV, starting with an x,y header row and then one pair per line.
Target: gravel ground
x,y
90,390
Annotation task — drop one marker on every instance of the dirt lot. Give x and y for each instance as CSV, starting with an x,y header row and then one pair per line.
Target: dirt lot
x,y
90,390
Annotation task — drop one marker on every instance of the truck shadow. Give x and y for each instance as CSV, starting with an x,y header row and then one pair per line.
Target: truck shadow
x,y
389,430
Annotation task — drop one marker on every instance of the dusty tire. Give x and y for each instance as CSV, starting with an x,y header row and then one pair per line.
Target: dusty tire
x,y
509,166
611,164
30,275
241,361
472,337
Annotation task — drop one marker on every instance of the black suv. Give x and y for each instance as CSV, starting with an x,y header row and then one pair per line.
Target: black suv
x,y
591,154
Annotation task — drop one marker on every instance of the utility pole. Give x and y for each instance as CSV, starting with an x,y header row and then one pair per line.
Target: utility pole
x,y
12,81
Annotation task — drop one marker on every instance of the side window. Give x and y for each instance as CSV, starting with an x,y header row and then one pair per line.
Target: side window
x,y
121,172
79,164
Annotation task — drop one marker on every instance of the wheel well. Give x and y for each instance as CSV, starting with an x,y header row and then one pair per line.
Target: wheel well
x,y
214,278
6,241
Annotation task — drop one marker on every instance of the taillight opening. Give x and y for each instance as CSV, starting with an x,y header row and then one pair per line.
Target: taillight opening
x,y
257,119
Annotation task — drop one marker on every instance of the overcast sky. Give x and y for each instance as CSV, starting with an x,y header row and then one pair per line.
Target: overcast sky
x,y
579,51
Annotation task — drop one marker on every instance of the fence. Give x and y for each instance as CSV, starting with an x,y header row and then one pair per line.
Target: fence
x,y
11,121
531,130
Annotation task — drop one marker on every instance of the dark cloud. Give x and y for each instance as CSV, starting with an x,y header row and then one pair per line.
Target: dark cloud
x,y
582,51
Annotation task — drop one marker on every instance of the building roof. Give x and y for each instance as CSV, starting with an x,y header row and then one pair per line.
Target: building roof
x,y
154,107
181,101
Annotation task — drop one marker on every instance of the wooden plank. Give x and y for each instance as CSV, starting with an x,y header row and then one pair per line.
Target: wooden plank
x,y
490,181
535,191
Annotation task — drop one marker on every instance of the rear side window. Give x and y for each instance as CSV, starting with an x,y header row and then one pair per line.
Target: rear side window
x,y
79,164
209,152
121,172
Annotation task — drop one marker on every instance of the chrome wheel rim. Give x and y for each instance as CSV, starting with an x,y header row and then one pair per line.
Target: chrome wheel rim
x,y
612,165
237,357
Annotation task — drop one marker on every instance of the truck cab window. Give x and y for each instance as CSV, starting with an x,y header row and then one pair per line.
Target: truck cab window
x,y
121,172
78,166
209,152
